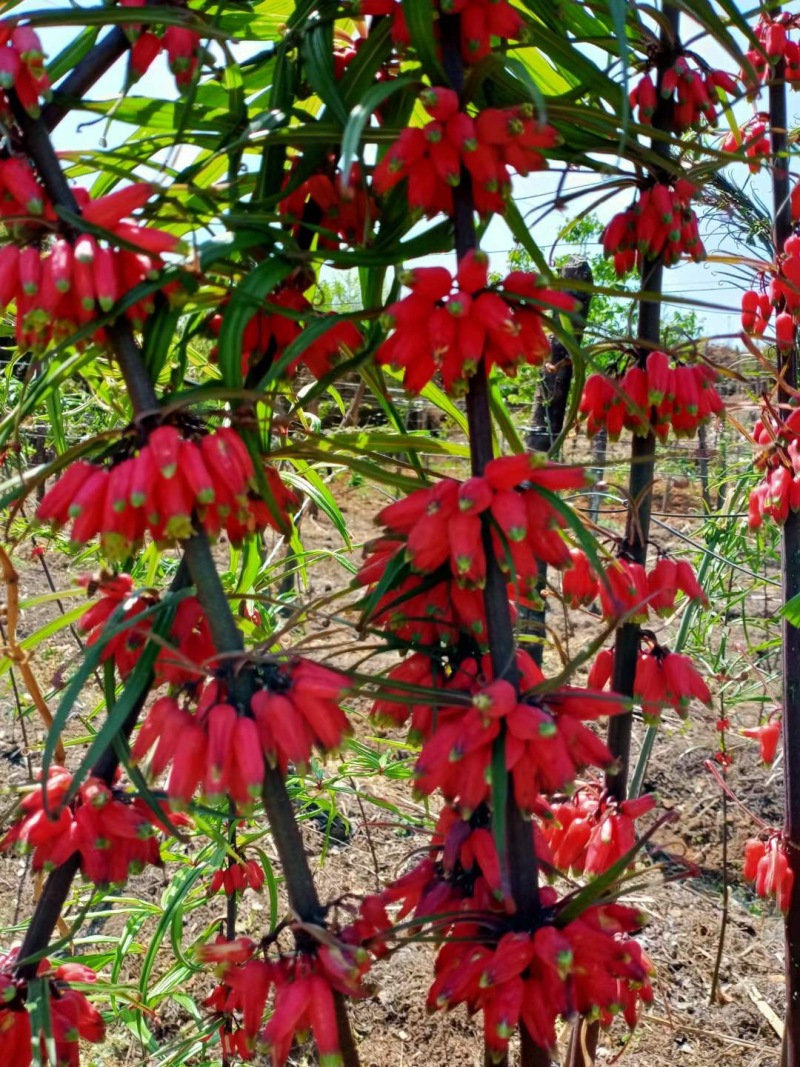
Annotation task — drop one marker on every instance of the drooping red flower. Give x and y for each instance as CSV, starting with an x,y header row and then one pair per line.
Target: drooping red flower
x,y
172,483
72,1017
489,146
592,831
236,877
590,965
663,679
546,744
768,734
302,986
270,331
192,650
480,23
579,583
767,864
181,44
656,397
660,222
22,69
757,308
114,833
668,578
773,31
342,212
451,324
625,593
65,288
753,139
694,93
223,749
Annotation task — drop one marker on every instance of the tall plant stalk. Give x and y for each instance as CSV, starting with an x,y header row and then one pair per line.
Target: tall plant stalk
x,y
584,1038
550,410
520,853
201,569
790,572
643,448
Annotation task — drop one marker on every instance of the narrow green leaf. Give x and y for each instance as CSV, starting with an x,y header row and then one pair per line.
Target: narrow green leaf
x,y
246,299
360,116
420,21
791,611
317,52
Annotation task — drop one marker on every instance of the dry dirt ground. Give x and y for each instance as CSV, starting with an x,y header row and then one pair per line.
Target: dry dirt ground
x,y
682,890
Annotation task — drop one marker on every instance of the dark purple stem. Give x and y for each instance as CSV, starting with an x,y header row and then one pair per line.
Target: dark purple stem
x,y
790,544
643,449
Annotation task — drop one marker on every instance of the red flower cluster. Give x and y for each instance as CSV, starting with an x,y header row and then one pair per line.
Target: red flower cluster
x,y
302,985
440,531
190,636
773,35
171,484
66,288
397,705
418,613
628,587
270,332
114,835
767,864
246,874
342,213
654,397
579,582
465,852
72,1017
663,679
753,139
695,95
592,831
445,524
481,20
436,328
779,492
23,200
182,46
783,292
21,69
546,743
589,965
224,750
768,734
489,146
660,222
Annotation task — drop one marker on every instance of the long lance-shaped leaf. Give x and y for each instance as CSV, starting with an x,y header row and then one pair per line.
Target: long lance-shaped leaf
x,y
317,53
360,116
244,303
114,627
419,16
135,688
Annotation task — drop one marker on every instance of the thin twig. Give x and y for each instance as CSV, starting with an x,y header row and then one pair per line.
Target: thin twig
x,y
17,655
